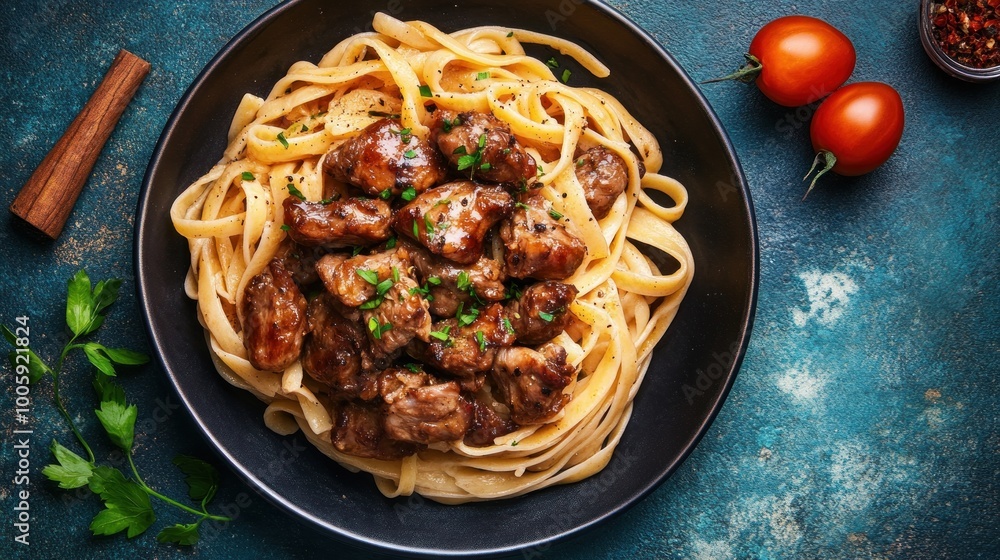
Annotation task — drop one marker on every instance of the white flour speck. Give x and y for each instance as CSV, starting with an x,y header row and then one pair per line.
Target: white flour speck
x,y
803,385
828,294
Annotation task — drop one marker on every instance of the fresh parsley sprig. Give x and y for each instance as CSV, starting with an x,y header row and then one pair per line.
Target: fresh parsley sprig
x,y
127,505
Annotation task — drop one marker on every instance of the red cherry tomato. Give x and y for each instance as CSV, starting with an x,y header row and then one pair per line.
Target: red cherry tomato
x,y
796,60
856,129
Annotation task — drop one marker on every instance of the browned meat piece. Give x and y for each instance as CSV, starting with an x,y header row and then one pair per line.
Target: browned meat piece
x,y
398,316
482,147
530,381
274,318
300,261
354,280
359,432
449,285
603,175
486,425
386,156
332,354
422,411
452,220
465,346
538,245
542,311
342,223
389,300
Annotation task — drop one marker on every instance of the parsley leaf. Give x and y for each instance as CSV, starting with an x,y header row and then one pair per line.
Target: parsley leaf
x,y
482,76
481,340
547,317
408,194
442,334
36,367
202,479
283,140
295,192
369,276
84,307
247,176
565,76
119,422
507,326
552,63
182,534
127,508
73,471
425,91
102,477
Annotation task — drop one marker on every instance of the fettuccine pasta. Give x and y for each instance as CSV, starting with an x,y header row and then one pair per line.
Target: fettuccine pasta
x,y
234,227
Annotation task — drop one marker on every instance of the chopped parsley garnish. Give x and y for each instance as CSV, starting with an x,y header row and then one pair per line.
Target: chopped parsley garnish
x,y
405,134
304,129
415,368
466,318
410,154
481,339
295,192
425,91
565,75
283,140
285,227
369,276
428,224
482,76
416,230
434,280
507,326
247,176
521,205
395,274
384,195
408,194
552,63
463,283
555,215
377,328
580,162
356,250
511,34
473,160
547,317
391,242
442,334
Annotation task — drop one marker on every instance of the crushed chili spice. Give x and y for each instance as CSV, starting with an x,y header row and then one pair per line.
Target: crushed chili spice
x,y
968,31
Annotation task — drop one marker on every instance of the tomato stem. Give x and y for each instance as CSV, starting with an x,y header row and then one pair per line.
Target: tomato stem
x,y
746,74
829,160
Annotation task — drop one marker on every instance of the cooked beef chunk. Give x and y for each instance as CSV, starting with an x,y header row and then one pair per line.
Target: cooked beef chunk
x,y
332,354
603,175
386,156
531,381
341,223
359,432
486,425
482,147
538,245
421,410
274,318
450,285
542,311
464,346
452,220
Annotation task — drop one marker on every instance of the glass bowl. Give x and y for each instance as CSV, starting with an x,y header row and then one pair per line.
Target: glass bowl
x,y
945,62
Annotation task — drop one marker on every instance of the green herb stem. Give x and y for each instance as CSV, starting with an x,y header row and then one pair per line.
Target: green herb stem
x,y
58,399
202,514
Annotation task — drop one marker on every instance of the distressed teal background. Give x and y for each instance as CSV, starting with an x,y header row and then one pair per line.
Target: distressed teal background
x,y
863,424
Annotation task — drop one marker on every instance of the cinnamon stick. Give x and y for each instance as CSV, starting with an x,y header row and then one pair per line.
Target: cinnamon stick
x,y
47,198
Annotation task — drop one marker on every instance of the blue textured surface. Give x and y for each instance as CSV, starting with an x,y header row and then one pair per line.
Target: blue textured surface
x,y
863,424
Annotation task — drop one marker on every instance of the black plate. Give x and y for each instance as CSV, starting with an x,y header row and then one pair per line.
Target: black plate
x,y
694,365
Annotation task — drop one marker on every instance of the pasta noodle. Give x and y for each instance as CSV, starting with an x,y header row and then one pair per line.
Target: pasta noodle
x,y
625,302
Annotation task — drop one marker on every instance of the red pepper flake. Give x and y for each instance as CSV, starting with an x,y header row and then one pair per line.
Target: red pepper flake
x,y
968,30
